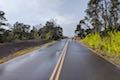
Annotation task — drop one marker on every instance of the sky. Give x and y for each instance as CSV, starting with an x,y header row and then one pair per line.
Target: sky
x,y
67,13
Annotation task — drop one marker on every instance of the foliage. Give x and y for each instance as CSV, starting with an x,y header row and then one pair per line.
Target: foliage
x,y
109,45
51,31
102,15
93,40
2,18
20,31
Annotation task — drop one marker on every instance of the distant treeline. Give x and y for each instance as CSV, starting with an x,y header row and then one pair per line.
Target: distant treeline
x,y
102,16
20,31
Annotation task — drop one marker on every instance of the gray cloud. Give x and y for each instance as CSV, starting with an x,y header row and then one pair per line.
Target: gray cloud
x,y
66,12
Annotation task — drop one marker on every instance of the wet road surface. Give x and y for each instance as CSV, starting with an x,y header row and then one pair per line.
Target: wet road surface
x,y
38,65
82,64
79,64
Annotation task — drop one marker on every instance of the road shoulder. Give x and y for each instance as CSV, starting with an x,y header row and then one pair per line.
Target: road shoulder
x,y
25,51
100,55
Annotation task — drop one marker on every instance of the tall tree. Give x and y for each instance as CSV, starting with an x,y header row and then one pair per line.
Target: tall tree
x,y
2,18
93,12
115,12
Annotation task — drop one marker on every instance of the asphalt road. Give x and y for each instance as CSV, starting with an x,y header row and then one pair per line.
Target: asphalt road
x,y
82,64
79,63
38,65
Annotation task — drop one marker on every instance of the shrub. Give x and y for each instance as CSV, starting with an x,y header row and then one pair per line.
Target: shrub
x,y
110,44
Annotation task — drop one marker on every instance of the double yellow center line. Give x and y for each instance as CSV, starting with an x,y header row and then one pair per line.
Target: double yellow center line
x,y
57,70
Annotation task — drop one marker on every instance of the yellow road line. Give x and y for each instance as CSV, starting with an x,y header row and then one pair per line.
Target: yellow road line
x,y
55,69
57,65
61,64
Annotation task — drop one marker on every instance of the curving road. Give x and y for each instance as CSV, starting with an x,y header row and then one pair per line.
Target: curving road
x,y
77,63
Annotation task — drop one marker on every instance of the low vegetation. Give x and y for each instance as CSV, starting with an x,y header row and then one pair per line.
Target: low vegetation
x,y
100,28
109,47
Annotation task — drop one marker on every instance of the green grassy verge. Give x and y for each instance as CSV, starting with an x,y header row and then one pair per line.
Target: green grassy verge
x,y
108,46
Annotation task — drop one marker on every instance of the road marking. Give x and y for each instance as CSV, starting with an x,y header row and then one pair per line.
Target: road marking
x,y
55,69
59,64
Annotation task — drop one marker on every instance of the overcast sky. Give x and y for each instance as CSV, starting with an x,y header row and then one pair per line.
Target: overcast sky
x,y
66,12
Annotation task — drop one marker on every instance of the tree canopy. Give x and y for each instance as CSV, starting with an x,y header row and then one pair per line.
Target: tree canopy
x,y
101,16
20,31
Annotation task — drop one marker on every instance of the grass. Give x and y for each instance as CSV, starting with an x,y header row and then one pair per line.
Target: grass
x,y
108,46
24,51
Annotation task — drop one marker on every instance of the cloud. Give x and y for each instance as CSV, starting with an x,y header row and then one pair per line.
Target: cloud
x,y
66,12
29,9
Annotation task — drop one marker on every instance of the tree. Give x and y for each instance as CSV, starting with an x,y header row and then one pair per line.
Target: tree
x,y
2,18
93,13
34,33
115,12
58,33
51,31
103,15
80,32
21,31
